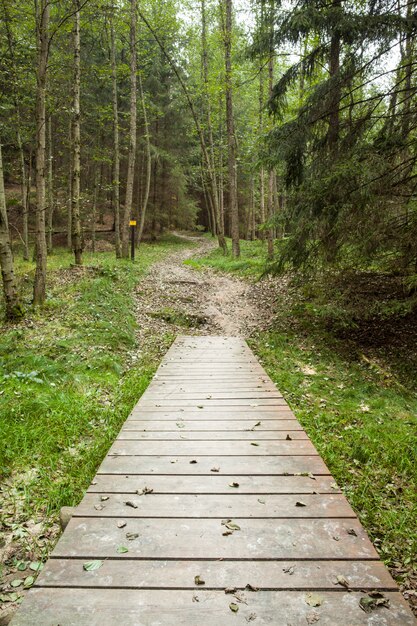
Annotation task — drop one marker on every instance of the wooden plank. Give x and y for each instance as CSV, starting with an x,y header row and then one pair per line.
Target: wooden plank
x,y
184,434
211,402
269,425
176,538
243,465
217,574
230,413
152,607
130,484
130,607
156,396
235,448
215,506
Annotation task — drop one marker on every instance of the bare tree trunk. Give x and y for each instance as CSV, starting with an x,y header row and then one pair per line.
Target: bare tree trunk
x,y
231,138
148,163
28,187
94,208
132,133
271,185
42,25
262,171
76,141
11,45
50,188
69,201
116,144
218,224
14,308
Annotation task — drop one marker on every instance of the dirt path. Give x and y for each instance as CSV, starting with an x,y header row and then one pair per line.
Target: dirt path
x,y
177,298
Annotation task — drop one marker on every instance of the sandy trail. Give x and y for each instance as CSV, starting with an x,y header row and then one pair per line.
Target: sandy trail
x,y
213,303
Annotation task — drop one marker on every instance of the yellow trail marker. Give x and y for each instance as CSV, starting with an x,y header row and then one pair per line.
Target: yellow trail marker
x,y
132,223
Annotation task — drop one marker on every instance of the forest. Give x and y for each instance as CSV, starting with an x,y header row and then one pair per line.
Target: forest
x,y
267,148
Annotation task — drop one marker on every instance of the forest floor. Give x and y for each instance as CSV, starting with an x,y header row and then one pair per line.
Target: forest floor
x,y
357,403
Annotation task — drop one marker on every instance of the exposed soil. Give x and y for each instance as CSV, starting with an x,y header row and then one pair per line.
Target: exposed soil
x,y
175,298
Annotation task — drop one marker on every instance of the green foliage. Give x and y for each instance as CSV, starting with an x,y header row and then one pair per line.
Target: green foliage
x,y
67,379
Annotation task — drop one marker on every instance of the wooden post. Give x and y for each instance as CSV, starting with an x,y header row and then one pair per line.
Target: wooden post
x,y
132,225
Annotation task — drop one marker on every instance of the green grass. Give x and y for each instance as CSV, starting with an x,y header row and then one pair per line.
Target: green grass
x,y
66,380
359,408
251,263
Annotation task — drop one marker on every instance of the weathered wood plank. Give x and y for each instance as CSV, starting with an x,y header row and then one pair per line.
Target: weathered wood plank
x,y
275,575
234,448
107,607
246,425
184,434
202,539
215,483
242,465
215,506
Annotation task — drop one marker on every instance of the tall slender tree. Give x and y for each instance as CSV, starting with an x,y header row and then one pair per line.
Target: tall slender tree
x,y
14,309
42,8
132,131
76,140
231,137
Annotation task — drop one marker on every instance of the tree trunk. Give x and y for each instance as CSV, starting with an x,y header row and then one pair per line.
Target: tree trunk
x,y
76,141
42,25
231,138
148,163
13,307
132,134
213,192
50,188
69,182
94,208
116,144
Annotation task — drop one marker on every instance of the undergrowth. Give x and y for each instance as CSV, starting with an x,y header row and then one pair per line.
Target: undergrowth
x,y
67,380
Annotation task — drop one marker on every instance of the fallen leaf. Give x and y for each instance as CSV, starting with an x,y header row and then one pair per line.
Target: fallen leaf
x,y
341,580
251,617
121,523
133,505
90,566
289,570
250,587
122,550
215,469
233,607
313,599
98,507
196,598
36,566
255,425
198,580
336,537
200,406
230,590
299,503
104,498
144,491
231,525
227,533
253,443
193,461
233,484
288,438
352,531
261,501
132,536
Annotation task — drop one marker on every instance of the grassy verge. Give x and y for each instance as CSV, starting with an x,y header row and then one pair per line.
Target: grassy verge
x,y
358,405
69,376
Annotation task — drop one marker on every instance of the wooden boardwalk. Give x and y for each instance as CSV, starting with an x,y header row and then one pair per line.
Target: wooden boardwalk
x,y
212,484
